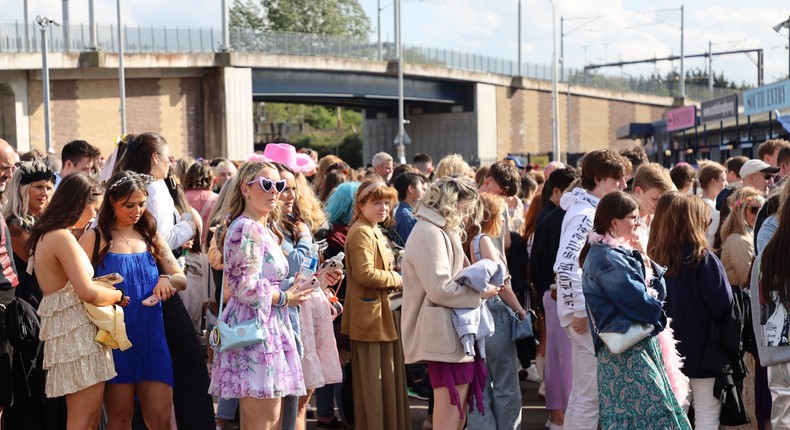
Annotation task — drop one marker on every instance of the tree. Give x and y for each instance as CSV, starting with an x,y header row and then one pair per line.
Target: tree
x,y
327,17
246,14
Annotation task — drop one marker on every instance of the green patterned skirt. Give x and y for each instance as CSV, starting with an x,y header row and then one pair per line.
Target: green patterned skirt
x,y
634,391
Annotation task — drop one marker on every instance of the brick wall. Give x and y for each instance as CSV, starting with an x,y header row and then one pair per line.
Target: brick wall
x,y
89,109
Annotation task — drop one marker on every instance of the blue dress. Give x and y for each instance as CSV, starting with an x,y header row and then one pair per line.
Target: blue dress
x,y
149,357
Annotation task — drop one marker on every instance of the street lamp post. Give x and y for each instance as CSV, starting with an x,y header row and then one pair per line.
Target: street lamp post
x,y
401,150
682,86
519,37
121,72
27,27
44,23
378,25
777,27
91,27
225,27
66,24
555,127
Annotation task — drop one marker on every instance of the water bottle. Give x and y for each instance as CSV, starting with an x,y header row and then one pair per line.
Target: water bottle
x,y
310,264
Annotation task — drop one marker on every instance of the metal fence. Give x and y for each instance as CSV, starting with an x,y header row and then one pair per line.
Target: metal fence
x,y
16,37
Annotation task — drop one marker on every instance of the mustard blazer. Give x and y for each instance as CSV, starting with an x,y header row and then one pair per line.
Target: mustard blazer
x,y
369,277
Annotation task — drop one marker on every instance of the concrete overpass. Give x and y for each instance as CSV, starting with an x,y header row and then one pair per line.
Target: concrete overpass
x,y
201,102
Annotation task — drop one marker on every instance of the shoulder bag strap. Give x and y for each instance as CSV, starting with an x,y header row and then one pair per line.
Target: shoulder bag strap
x,y
96,244
224,276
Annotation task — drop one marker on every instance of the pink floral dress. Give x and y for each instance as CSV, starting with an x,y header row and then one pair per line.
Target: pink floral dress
x,y
254,267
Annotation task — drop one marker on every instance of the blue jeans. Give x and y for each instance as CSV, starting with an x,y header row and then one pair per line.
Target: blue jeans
x,y
290,407
226,409
502,393
325,399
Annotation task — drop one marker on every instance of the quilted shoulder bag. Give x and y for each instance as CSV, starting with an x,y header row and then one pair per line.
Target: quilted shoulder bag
x,y
228,337
617,343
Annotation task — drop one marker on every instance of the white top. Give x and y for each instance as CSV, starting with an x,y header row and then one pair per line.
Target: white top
x,y
710,232
161,206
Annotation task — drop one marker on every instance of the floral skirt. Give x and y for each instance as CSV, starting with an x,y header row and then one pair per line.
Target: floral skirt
x,y
634,391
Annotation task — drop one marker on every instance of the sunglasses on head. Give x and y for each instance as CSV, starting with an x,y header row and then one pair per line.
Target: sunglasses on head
x,y
268,184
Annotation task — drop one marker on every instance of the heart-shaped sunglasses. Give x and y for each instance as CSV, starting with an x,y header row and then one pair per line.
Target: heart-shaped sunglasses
x,y
268,184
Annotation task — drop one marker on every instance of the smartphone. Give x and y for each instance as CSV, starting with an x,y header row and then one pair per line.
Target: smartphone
x,y
111,278
151,301
310,285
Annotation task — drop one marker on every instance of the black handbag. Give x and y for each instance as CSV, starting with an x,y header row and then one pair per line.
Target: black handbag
x,y
22,323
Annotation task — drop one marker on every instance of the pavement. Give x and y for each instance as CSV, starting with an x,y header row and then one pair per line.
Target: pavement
x,y
533,411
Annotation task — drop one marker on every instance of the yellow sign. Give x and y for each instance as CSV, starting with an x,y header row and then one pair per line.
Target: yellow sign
x,y
540,160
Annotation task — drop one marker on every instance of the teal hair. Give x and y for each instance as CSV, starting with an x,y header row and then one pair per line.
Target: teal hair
x,y
340,204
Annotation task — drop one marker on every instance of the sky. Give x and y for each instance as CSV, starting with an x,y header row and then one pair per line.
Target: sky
x,y
595,31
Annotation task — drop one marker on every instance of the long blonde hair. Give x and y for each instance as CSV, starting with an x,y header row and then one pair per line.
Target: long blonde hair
x,y
443,197
738,201
235,203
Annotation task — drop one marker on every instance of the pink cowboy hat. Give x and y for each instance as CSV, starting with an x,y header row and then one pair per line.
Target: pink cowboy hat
x,y
286,154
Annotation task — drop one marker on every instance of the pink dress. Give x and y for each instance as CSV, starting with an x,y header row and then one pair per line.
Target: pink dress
x,y
254,267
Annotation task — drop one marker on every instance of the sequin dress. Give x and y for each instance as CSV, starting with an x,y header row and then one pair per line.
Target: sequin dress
x,y
254,267
149,357
73,359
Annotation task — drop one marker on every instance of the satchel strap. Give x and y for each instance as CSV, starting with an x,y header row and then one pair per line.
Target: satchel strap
x,y
224,278
592,318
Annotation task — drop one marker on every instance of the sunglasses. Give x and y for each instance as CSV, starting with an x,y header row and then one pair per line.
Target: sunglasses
x,y
754,209
636,218
769,177
268,184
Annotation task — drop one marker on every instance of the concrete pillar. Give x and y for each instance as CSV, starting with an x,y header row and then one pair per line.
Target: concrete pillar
x,y
14,109
228,109
485,113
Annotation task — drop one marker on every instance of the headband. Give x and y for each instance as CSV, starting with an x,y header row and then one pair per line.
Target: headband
x,y
367,190
34,171
133,177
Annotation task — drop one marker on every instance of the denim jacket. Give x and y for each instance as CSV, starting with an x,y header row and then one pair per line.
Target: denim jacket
x,y
613,281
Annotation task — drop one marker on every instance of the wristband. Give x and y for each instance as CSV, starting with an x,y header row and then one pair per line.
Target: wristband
x,y
123,294
283,299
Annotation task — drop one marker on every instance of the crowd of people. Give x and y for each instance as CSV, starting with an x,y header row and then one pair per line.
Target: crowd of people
x,y
139,290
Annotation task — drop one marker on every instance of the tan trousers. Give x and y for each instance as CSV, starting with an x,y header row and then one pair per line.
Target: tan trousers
x,y
379,386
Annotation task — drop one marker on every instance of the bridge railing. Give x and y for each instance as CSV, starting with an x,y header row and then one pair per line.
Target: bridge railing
x,y
75,37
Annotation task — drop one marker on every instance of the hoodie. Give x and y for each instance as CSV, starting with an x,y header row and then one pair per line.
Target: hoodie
x,y
579,206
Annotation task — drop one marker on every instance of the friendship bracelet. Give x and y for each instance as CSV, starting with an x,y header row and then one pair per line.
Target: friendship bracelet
x,y
282,299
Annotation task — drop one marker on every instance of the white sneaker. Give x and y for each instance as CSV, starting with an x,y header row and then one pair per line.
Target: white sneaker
x,y
532,374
